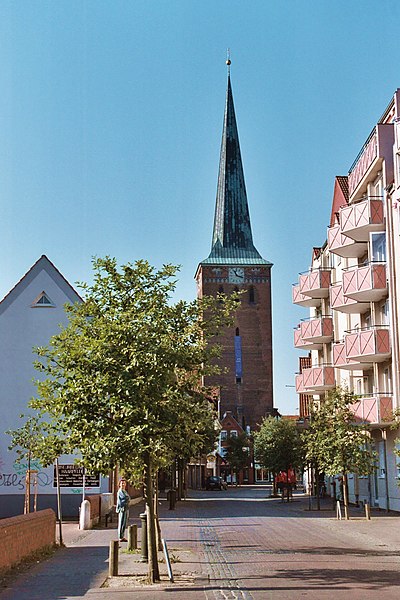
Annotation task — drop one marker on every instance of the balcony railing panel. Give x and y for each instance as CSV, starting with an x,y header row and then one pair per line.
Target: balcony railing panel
x,y
300,389
318,330
345,304
365,284
369,345
373,409
340,360
315,284
344,246
302,344
318,378
302,300
358,220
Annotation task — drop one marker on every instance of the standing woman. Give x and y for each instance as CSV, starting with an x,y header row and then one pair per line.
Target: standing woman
x,y
122,509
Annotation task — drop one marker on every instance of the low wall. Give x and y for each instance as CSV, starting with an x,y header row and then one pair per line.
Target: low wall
x,y
21,536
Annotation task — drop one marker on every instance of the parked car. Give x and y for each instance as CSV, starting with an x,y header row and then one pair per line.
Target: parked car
x,y
215,483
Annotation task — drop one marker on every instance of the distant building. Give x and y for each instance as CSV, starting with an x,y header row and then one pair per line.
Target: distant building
x,y
234,263
29,315
352,291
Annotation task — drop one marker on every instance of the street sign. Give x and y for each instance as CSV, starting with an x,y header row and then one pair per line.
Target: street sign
x,y
72,476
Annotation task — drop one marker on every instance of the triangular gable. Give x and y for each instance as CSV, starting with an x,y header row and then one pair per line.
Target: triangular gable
x,y
42,264
340,197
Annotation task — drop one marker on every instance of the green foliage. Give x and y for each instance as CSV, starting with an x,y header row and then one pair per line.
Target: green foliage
x,y
124,376
278,445
333,439
37,439
237,452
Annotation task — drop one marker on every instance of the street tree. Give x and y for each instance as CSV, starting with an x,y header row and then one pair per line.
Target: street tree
x,y
336,442
43,442
237,453
127,368
278,446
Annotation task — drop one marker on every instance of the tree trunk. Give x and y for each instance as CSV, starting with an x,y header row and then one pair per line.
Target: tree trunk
x,y
345,497
154,574
317,486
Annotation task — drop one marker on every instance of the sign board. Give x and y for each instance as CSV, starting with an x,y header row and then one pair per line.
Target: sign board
x,y
72,476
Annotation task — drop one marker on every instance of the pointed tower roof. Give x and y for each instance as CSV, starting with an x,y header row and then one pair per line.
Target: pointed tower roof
x,y
232,241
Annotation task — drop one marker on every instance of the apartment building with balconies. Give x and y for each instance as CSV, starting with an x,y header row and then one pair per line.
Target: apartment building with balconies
x,y
352,292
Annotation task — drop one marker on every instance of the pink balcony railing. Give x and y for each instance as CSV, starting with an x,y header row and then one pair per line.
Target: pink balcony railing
x,y
319,330
365,284
300,389
373,409
319,378
302,300
359,219
302,344
344,246
368,345
345,304
315,283
340,360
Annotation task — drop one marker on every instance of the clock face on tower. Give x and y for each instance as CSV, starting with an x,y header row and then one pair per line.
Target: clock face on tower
x,y
236,275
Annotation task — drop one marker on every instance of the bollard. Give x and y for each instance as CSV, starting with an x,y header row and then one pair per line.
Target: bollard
x,y
132,537
367,511
143,542
113,559
171,497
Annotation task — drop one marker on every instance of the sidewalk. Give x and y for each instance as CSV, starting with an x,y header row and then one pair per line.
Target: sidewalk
x,y
205,534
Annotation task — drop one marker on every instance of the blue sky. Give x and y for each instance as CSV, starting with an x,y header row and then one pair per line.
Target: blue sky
x,y
111,119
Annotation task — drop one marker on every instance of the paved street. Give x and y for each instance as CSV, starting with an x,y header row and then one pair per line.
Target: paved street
x,y
235,544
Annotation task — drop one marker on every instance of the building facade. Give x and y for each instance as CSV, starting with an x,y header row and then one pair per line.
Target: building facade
x,y
246,389
29,315
351,290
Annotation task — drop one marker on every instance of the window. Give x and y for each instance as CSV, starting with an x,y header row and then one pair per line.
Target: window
x,y
233,433
387,380
381,459
252,296
378,246
43,301
224,435
385,318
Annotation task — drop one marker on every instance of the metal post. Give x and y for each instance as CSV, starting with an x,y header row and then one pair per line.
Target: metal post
x,y
367,512
59,503
132,537
113,559
143,541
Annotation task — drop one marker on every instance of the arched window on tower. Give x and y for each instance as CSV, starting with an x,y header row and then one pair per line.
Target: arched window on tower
x,y
237,331
220,291
252,295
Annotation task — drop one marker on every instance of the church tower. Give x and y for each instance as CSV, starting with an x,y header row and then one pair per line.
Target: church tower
x,y
235,264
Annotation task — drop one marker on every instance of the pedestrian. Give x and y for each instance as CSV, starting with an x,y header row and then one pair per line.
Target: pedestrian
x,y
122,509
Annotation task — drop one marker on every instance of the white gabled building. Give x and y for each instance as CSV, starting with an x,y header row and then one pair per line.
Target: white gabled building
x,y
29,315
352,289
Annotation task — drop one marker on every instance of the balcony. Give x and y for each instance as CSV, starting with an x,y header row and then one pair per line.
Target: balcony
x,y
368,345
340,360
358,220
344,246
302,300
317,331
365,284
345,304
372,409
315,283
315,379
303,344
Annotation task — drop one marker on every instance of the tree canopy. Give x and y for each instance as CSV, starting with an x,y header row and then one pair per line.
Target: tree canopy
x,y
124,377
334,440
278,445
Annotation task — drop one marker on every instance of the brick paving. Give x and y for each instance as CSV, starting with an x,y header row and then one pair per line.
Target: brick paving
x,y
235,544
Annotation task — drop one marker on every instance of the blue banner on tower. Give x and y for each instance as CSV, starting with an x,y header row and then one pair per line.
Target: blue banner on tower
x,y
238,356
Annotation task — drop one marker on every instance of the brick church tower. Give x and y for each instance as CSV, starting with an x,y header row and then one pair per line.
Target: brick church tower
x,y
235,264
